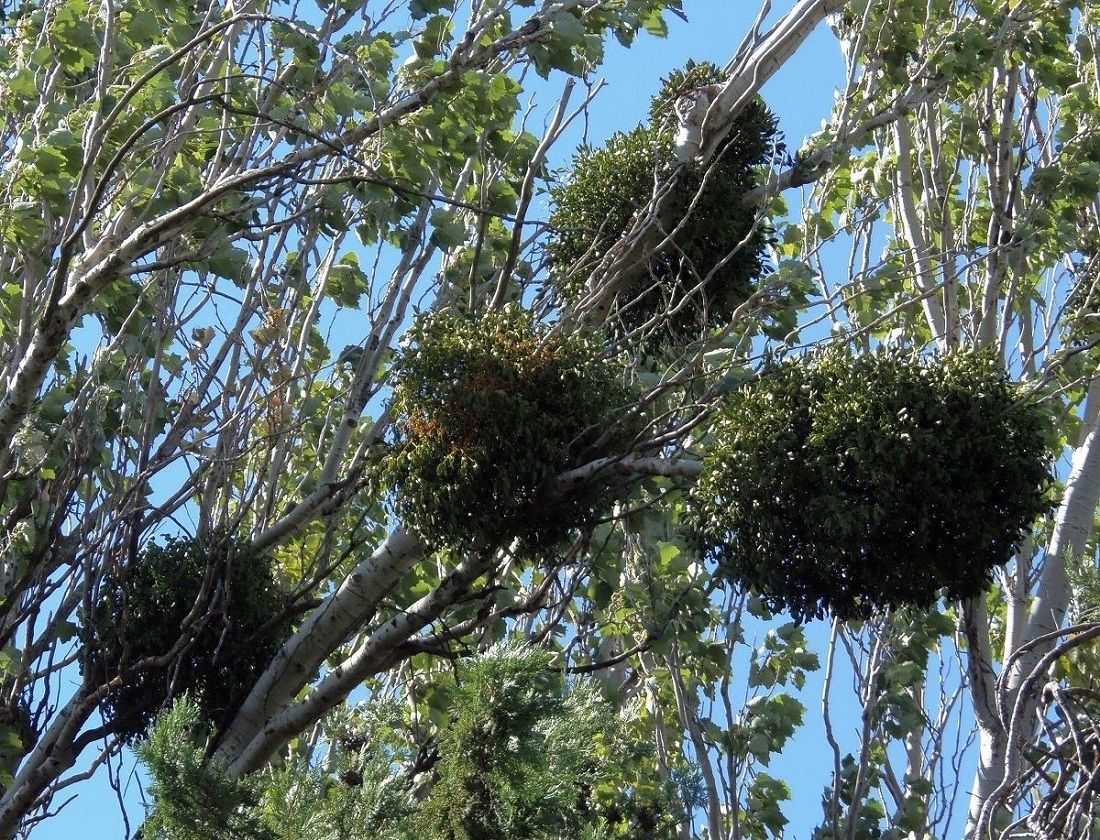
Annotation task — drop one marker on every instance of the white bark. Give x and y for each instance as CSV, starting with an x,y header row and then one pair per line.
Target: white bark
x,y
271,713
371,656
1073,524
328,627
52,756
974,626
631,465
687,703
921,251
749,72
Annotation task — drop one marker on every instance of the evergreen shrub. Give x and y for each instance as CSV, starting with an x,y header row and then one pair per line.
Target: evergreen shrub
x,y
521,753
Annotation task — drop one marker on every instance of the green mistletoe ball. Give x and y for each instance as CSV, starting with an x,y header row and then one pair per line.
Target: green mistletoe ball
x,y
228,596
713,262
491,409
848,484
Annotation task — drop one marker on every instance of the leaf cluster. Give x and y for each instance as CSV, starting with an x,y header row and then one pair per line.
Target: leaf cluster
x,y
848,483
722,242
490,409
216,591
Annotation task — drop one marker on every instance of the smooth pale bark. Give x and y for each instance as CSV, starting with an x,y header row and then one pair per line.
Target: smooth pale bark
x,y
341,615
687,704
631,465
300,658
371,656
1073,523
1072,526
811,167
79,274
920,250
749,72
974,626
55,752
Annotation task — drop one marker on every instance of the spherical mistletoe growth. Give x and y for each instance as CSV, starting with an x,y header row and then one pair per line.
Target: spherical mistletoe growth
x,y
490,410
141,613
847,484
722,242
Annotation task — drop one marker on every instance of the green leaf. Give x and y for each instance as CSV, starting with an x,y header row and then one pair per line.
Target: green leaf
x,y
667,552
347,283
448,228
141,27
422,8
654,24
568,27
65,630
229,262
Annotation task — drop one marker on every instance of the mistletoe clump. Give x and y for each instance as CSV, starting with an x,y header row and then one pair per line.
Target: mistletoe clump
x,y
849,484
228,599
723,241
491,409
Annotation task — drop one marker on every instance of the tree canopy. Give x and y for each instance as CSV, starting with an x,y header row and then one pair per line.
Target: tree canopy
x,y
415,487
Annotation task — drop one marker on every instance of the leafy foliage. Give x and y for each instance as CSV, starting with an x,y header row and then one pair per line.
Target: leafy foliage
x,y
202,209
722,242
212,589
17,735
850,483
492,409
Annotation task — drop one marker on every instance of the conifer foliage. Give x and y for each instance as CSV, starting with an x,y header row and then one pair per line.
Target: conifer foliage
x,y
519,757
521,747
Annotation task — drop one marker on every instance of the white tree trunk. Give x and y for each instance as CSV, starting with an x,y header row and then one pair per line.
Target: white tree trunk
x,y
1073,524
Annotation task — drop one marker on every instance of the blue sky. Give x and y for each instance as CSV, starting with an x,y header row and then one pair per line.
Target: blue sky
x,y
801,94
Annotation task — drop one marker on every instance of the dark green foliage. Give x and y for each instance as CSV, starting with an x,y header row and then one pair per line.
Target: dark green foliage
x,y
609,185
847,484
521,752
521,748
17,736
646,808
491,410
193,798
141,612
